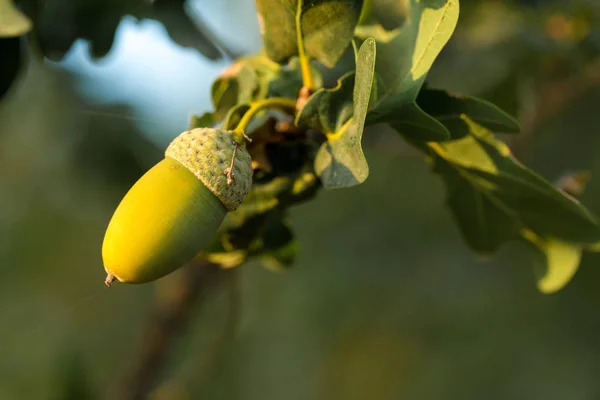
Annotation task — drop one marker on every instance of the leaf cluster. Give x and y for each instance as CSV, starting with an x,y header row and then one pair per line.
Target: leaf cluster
x,y
493,198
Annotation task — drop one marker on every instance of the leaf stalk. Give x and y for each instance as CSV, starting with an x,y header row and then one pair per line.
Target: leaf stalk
x,y
307,76
280,103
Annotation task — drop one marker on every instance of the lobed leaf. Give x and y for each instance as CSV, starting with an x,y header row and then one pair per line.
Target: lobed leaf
x,y
406,55
494,197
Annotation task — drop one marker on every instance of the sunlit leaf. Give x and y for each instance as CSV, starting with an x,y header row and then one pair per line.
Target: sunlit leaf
x,y
13,23
555,261
405,57
327,27
228,259
340,114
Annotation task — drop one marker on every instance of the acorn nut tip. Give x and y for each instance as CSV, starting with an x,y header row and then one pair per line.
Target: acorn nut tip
x,y
109,280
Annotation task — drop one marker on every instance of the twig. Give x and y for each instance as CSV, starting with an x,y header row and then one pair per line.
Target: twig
x,y
167,321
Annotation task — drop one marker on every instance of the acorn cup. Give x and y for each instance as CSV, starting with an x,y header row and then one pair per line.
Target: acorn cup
x,y
171,213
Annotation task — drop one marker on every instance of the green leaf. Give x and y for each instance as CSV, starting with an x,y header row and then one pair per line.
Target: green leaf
x,y
244,81
288,81
448,109
59,23
206,120
328,110
280,258
182,28
493,197
277,21
484,226
259,227
216,253
412,122
384,16
327,27
234,116
13,22
405,60
405,57
340,114
555,261
254,78
261,199
225,94
277,248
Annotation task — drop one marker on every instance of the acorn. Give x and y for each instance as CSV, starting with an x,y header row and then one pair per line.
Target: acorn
x,y
171,213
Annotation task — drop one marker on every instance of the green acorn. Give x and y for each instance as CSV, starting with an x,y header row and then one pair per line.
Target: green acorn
x,y
172,211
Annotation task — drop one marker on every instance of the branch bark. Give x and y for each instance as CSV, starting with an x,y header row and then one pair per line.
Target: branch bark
x,y
167,322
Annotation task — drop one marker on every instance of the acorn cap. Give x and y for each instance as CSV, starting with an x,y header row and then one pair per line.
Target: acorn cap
x,y
207,153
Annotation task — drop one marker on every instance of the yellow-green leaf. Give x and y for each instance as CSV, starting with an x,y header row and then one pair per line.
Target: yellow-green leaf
x,y
555,261
13,22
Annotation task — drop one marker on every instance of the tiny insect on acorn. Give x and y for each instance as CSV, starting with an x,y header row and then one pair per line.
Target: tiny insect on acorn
x,y
171,213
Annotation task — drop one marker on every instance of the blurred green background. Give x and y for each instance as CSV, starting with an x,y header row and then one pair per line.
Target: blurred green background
x,y
385,301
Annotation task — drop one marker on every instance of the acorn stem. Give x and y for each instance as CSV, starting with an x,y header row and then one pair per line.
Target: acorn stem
x,y
256,107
